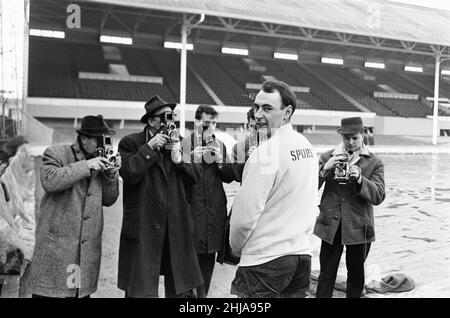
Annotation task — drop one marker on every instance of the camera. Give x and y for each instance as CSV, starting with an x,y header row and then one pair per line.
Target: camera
x,y
342,172
169,128
342,168
254,135
208,138
105,149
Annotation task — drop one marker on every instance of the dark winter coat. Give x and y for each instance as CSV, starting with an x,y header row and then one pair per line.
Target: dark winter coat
x,y
351,204
156,202
240,156
209,203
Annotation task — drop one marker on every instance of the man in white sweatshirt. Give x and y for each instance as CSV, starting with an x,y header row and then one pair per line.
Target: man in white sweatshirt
x,y
275,209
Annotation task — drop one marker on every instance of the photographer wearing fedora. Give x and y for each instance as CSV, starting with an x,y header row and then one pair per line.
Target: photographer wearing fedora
x,y
354,182
77,182
157,226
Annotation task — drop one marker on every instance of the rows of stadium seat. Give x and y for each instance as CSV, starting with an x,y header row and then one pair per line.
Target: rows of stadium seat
x,y
428,82
408,108
54,67
51,73
333,100
397,82
121,90
138,62
226,88
168,64
360,90
239,71
88,58
304,100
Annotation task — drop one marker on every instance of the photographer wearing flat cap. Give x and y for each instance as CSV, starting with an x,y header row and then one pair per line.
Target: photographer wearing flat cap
x,y
78,180
157,227
354,182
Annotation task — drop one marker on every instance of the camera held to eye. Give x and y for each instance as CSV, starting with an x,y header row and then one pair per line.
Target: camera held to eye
x,y
105,149
169,128
208,138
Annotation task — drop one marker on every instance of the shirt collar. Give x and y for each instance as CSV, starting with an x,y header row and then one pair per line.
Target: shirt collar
x,y
340,149
76,149
283,129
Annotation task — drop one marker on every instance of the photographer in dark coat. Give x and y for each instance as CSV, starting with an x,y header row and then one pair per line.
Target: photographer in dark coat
x,y
209,202
157,228
346,208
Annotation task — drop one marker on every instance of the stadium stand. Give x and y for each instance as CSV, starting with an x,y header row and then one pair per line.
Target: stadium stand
x,y
226,88
121,90
167,62
399,83
225,76
137,62
407,108
51,71
331,99
360,90
304,100
88,58
427,81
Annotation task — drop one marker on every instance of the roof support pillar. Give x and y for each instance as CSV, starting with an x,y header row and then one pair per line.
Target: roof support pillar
x,y
436,98
185,31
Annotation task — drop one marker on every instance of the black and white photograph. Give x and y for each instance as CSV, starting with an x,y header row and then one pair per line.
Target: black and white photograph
x,y
240,150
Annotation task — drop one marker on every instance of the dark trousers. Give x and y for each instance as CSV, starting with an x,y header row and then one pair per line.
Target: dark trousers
x,y
284,277
206,262
330,257
166,270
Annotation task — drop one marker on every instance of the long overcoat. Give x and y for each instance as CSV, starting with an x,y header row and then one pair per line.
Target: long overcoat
x,y
69,229
156,200
209,202
351,204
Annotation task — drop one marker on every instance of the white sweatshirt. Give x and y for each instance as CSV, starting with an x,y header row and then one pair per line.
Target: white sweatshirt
x,y
275,209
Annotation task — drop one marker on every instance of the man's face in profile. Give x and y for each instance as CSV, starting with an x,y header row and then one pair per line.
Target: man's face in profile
x,y
89,143
268,110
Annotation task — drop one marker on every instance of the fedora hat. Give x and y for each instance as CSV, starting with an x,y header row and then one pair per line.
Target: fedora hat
x,y
351,125
153,104
94,126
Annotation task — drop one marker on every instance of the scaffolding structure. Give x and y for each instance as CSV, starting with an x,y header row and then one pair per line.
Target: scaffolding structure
x,y
13,64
